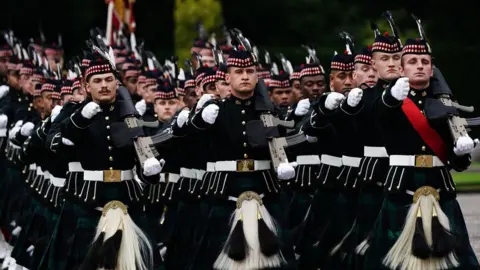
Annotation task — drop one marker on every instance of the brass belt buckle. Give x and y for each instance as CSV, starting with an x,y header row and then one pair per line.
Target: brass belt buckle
x,y
424,161
245,165
112,176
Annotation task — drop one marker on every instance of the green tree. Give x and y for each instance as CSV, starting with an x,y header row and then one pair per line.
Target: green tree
x,y
187,14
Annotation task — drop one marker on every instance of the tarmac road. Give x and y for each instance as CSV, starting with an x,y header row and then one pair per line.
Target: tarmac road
x,y
470,204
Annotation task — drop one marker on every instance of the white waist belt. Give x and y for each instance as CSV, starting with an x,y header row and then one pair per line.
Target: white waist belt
x,y
210,166
410,161
351,161
231,166
98,175
375,151
75,167
32,167
39,170
199,174
46,174
56,181
188,173
172,177
308,160
332,161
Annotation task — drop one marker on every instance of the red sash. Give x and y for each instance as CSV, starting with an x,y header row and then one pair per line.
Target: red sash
x,y
421,125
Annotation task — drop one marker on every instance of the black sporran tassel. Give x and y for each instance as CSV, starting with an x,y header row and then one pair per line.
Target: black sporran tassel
x,y
237,244
444,241
91,260
109,251
269,244
420,247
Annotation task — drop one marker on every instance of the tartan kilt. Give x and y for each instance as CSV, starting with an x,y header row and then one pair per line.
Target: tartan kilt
x,y
217,229
390,223
11,205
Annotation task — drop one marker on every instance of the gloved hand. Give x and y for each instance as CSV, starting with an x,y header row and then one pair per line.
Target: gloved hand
x,y
286,171
152,166
464,145
182,118
3,121
210,113
311,139
15,129
333,100
55,112
203,100
27,129
90,110
4,90
302,107
354,97
67,142
141,107
400,90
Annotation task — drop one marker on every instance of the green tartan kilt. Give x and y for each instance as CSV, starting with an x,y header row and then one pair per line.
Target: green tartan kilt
x,y
11,195
217,229
390,223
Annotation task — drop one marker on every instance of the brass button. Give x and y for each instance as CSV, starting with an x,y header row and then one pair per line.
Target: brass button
x,y
419,102
110,158
107,118
156,115
244,144
243,123
244,133
108,138
108,127
29,109
110,148
245,156
111,168
243,111
424,148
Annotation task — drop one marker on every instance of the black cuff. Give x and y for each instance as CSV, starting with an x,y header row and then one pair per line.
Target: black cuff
x,y
349,109
79,121
461,163
388,100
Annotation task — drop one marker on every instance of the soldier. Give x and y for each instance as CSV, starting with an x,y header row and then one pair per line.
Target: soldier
x,y
223,87
364,74
191,97
107,182
295,81
431,232
280,92
5,53
242,174
145,107
130,81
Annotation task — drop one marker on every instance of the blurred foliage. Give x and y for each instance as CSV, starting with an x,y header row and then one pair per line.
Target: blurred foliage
x,y
187,14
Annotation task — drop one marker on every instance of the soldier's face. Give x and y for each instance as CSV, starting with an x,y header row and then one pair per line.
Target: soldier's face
x,y
102,87
341,81
296,90
66,98
3,65
387,65
38,103
242,80
150,93
418,69
211,89
191,97
12,79
223,88
165,109
313,86
26,83
140,88
79,95
47,102
131,84
281,97
364,74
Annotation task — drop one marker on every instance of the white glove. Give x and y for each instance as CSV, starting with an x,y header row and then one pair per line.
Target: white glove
x,y
333,100
182,118
67,142
4,90
286,171
55,112
464,146
210,113
203,100
19,123
141,107
400,89
354,97
27,129
3,121
90,110
302,107
13,132
311,139
152,166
